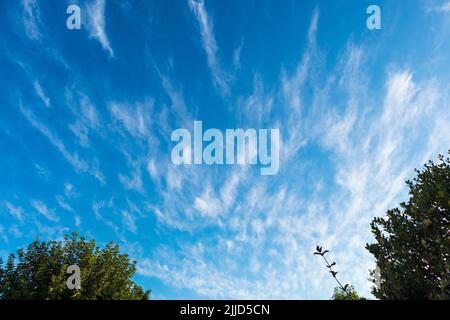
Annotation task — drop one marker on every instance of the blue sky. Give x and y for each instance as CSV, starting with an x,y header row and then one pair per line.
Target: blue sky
x,y
86,117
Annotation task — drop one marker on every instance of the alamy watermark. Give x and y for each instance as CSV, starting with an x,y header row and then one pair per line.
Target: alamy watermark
x,y
234,146
74,280
74,20
374,20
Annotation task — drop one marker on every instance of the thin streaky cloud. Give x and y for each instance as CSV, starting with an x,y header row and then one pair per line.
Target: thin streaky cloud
x,y
40,93
313,26
63,204
15,211
209,44
129,221
42,208
31,19
74,160
96,24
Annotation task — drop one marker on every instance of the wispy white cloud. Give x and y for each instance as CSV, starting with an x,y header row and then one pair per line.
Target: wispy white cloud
x,y
63,204
55,232
96,24
32,19
129,221
293,90
178,105
98,206
118,220
133,182
3,235
78,164
255,110
135,119
16,232
209,44
42,172
207,204
87,120
201,278
444,8
228,192
73,159
136,125
237,54
15,211
40,92
152,169
42,208
69,190
77,221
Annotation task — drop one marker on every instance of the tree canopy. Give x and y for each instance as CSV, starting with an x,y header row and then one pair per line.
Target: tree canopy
x,y
40,272
348,294
413,241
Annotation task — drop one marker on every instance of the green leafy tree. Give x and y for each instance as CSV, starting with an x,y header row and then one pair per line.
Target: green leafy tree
x,y
349,294
40,272
413,241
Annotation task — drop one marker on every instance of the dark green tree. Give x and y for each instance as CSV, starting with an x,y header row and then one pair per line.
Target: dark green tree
x,y
39,272
413,241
